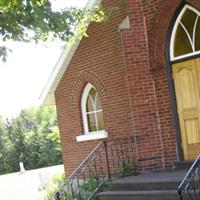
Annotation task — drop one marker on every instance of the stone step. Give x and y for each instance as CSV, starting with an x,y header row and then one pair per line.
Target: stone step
x,y
155,186
179,165
140,195
143,186
155,181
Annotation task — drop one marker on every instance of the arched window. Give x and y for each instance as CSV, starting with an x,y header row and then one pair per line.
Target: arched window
x,y
185,40
92,110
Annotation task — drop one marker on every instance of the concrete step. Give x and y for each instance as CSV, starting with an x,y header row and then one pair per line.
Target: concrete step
x,y
179,165
155,186
140,195
155,181
169,185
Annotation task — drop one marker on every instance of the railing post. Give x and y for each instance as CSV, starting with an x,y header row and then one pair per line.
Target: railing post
x,y
180,194
107,161
57,196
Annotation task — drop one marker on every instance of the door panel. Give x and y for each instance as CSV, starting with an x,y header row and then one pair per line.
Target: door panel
x,y
187,88
192,131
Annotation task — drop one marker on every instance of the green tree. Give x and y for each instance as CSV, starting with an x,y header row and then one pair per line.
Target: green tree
x,y
43,141
5,145
17,149
34,20
32,137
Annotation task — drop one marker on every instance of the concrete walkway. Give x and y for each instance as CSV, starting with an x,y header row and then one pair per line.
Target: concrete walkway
x,y
27,186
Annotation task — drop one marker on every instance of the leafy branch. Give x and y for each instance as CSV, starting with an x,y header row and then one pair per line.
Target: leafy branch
x,y
35,20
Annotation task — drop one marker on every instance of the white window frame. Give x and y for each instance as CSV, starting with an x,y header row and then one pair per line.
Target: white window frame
x,y
172,57
87,134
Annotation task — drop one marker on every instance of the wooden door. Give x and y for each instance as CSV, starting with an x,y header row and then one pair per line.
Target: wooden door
x,y
186,77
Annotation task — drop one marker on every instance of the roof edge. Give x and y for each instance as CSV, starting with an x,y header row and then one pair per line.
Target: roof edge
x,y
47,96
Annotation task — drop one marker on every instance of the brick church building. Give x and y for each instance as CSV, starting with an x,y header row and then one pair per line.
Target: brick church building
x,y
137,75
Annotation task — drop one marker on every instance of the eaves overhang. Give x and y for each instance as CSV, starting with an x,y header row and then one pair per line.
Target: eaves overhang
x,y
47,96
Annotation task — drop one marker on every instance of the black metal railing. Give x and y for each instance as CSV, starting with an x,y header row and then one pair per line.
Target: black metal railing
x,y
189,189
107,161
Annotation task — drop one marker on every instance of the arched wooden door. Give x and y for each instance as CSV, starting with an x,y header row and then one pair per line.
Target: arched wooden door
x,y
185,44
187,86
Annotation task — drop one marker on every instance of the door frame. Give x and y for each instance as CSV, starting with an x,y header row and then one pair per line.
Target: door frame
x,y
170,80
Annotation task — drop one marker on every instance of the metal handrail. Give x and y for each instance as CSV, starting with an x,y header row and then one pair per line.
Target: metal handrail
x,y
189,187
105,161
83,165
97,148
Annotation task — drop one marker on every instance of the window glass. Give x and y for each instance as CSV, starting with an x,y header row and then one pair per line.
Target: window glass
x,y
98,102
100,121
89,105
187,34
92,93
197,36
92,113
91,122
182,44
188,21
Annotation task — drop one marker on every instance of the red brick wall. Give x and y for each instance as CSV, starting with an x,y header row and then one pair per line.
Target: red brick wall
x,y
142,90
157,36
129,69
98,60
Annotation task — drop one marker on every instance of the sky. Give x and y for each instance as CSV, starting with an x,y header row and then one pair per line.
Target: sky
x,y
27,69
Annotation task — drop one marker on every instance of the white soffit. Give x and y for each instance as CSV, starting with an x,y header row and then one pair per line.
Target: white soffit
x,y
47,96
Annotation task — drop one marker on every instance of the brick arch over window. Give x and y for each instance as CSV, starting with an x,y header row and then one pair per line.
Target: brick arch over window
x,y
82,79
161,31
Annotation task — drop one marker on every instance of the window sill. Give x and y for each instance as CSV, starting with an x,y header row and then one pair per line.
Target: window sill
x,y
92,136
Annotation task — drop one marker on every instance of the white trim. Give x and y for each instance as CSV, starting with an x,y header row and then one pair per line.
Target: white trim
x,y
85,95
83,106
186,55
172,58
194,31
96,111
92,136
47,96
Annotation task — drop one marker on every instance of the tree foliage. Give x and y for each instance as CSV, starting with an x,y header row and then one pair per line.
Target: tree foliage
x,y
32,138
34,20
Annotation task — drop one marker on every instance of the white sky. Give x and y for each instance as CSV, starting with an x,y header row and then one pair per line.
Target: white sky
x,y
27,69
